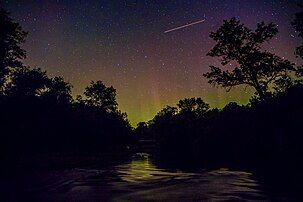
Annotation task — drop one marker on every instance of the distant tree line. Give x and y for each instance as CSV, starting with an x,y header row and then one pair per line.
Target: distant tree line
x,y
39,115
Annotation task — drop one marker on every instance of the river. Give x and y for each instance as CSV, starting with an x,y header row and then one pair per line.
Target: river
x,y
141,180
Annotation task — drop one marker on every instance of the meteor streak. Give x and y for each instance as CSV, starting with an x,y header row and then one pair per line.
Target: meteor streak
x,y
183,26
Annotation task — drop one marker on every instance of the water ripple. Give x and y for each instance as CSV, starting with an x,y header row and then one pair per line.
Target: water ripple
x,y
141,180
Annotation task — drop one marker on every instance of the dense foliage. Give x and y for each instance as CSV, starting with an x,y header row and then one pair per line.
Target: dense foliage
x,y
264,132
38,114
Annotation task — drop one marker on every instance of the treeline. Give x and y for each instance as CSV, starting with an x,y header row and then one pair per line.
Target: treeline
x,y
266,133
38,114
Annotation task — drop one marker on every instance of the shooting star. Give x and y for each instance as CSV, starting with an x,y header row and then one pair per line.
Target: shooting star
x,y
183,26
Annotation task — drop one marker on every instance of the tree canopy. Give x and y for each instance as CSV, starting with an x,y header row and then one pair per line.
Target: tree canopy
x,y
58,90
241,48
11,37
26,82
98,95
195,105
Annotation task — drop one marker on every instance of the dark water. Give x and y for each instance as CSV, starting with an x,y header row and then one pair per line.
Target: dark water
x,y
141,180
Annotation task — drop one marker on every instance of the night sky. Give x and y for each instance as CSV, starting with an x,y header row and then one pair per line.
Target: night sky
x,y
123,44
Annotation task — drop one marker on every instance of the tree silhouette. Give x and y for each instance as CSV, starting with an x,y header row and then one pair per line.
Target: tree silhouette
x,y
11,36
195,105
39,116
98,95
58,90
26,82
240,47
166,113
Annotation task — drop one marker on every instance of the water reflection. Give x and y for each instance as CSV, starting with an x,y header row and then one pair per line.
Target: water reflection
x,y
141,180
145,181
141,169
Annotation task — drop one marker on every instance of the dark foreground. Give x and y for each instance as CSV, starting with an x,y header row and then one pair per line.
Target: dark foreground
x,y
137,179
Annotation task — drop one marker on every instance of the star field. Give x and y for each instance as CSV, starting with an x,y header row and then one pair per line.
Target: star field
x,y
123,44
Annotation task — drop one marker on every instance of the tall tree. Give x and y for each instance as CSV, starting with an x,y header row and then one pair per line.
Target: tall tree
x,y
240,48
11,37
98,95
